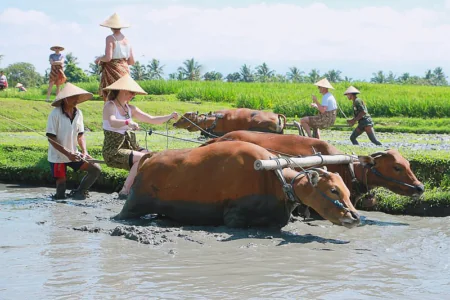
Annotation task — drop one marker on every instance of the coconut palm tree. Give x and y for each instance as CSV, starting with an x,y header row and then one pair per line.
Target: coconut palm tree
x,y
439,76
71,59
314,75
264,73
295,75
233,77
212,76
378,77
191,70
155,70
247,74
333,75
137,71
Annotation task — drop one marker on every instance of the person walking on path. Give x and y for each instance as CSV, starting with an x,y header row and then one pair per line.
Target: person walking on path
x,y
120,147
118,55
57,76
327,110
361,115
65,129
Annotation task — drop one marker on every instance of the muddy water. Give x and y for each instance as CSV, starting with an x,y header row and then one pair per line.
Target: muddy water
x,y
73,250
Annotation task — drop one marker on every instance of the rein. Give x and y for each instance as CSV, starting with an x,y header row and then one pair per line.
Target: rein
x,y
376,172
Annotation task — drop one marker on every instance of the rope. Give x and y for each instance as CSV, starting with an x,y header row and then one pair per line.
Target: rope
x,y
201,129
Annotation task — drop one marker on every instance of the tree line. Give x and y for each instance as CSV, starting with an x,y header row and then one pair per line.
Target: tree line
x,y
192,70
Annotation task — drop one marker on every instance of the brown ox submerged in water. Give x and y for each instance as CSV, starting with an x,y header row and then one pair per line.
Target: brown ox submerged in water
x,y
223,121
217,184
388,169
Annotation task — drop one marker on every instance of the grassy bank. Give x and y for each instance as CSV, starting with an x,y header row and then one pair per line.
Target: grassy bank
x,y
291,99
23,158
35,116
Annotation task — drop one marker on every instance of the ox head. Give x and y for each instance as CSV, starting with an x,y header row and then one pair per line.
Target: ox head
x,y
389,169
186,121
328,195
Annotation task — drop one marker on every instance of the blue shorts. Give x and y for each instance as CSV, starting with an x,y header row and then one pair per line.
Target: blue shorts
x,y
59,170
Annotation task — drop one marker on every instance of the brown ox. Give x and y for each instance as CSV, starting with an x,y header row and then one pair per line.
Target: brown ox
x,y
223,121
217,185
388,169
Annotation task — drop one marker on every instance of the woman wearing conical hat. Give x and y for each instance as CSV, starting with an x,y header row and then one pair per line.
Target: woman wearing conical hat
x,y
361,115
327,109
57,76
65,130
118,55
120,148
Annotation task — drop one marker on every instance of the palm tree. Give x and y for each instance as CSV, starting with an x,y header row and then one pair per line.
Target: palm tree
x,y
439,76
71,59
191,69
295,75
314,75
212,76
94,69
233,77
247,74
378,77
137,71
155,70
263,73
404,78
390,78
348,79
333,76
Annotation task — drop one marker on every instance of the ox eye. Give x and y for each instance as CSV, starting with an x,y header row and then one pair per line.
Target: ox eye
x,y
334,191
398,169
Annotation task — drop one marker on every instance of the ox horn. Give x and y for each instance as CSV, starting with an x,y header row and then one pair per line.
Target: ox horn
x,y
320,170
377,154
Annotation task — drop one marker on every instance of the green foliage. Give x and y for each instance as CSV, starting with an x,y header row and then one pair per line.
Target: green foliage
x,y
24,73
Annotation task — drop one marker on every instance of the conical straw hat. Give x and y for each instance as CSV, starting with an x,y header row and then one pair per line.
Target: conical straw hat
x,y
71,91
56,47
352,90
114,22
126,83
324,83
18,85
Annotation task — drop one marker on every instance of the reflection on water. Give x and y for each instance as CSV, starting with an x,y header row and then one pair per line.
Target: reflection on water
x,y
386,257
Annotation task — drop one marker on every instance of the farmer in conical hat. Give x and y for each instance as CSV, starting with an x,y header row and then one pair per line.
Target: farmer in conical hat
x,y
361,115
65,129
118,54
57,76
327,109
120,148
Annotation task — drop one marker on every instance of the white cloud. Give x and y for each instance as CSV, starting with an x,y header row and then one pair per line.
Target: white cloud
x,y
264,32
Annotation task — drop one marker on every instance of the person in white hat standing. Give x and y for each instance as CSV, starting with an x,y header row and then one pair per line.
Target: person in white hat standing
x,y
327,110
361,115
57,76
120,148
65,129
118,55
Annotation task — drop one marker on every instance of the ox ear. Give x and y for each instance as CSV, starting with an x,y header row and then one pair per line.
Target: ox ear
x,y
314,177
366,161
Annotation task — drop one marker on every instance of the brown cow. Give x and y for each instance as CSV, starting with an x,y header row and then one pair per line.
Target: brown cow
x,y
217,184
388,169
223,121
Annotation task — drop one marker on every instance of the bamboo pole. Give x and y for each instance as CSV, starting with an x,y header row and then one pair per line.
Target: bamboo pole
x,y
308,161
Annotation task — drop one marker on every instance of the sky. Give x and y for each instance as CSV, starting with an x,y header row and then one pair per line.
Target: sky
x,y
357,37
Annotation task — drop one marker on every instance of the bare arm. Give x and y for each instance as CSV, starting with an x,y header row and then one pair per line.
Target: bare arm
x,y
130,60
109,48
146,118
52,140
82,143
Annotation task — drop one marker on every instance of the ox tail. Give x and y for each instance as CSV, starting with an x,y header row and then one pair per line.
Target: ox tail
x,y
280,116
144,158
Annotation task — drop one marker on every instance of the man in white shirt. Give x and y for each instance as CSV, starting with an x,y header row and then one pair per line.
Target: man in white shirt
x,y
327,110
65,129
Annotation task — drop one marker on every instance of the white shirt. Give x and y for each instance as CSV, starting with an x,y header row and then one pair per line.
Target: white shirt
x,y
66,133
3,78
120,50
122,129
329,101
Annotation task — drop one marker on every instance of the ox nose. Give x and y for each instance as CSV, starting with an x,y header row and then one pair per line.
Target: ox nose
x,y
355,215
420,188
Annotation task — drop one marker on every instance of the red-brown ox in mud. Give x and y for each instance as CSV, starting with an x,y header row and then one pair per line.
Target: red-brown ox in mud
x,y
217,185
388,169
223,121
